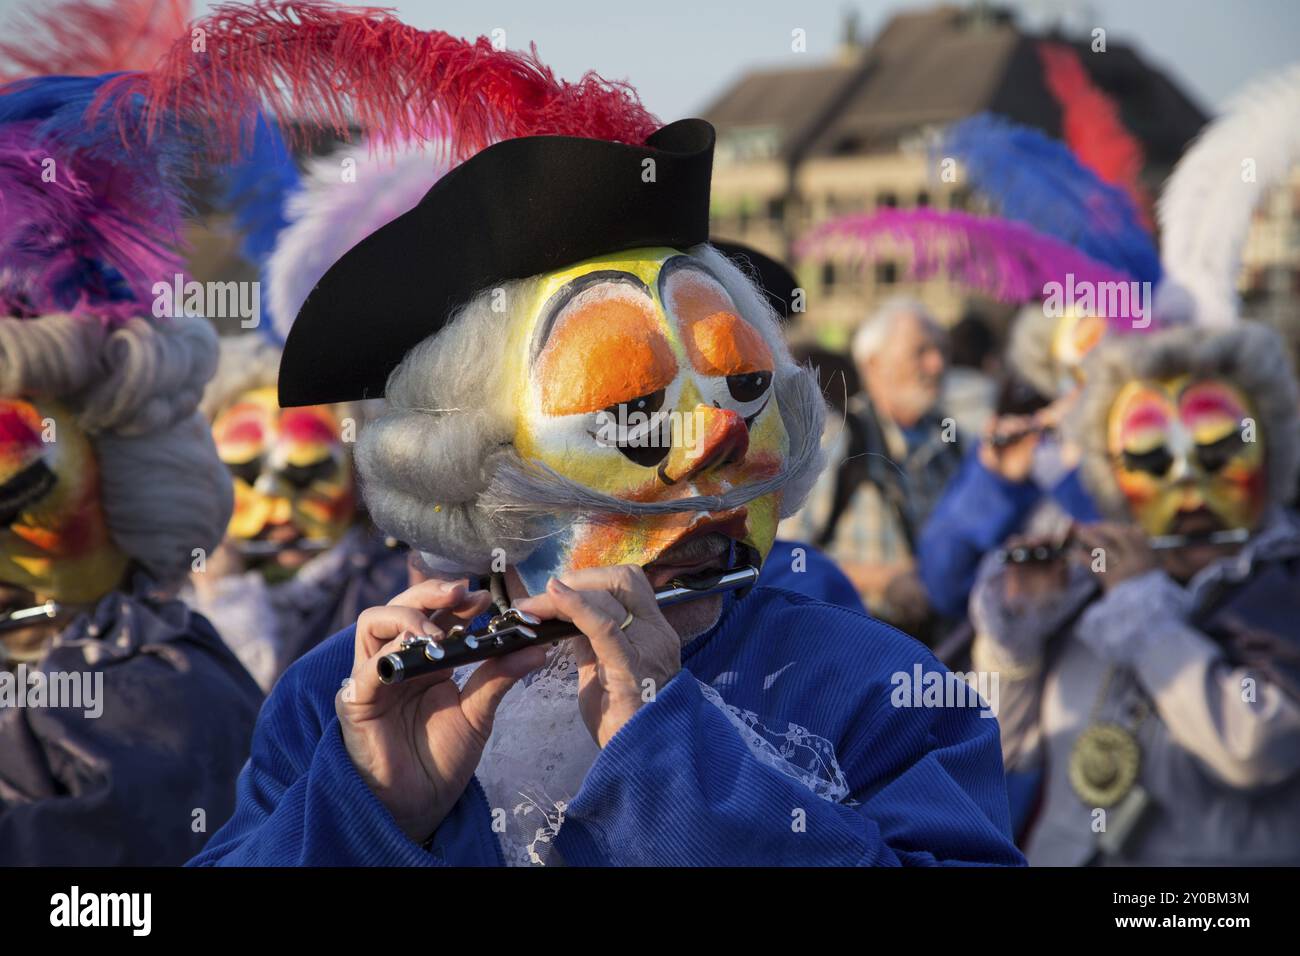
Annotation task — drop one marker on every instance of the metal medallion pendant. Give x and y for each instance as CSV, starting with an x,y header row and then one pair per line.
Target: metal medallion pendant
x,y
1104,764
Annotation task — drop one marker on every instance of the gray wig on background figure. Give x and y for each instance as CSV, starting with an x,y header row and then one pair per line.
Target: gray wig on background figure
x,y
134,389
439,470
1249,356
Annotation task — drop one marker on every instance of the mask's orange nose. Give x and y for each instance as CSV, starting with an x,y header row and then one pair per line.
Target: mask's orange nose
x,y
709,438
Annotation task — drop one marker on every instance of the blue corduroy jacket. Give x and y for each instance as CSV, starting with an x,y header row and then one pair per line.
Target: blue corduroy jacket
x,y
679,784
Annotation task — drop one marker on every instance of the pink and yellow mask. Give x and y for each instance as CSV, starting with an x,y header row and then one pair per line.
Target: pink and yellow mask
x,y
292,474
54,540
1184,448
639,379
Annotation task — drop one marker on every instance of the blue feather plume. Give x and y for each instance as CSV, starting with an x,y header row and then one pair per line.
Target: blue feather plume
x,y
256,190
1034,179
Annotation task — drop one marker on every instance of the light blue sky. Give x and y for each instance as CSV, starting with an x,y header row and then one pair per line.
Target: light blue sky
x,y
681,53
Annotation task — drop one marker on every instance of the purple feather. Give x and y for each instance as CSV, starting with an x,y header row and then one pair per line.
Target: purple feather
x,y
88,226
1005,260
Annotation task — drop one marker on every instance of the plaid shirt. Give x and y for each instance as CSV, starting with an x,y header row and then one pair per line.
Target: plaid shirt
x,y
892,499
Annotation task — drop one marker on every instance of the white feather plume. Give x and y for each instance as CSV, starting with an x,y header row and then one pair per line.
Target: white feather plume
x,y
344,197
1207,205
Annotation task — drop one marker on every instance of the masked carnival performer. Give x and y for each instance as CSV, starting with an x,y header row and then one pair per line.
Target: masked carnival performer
x,y
300,559
556,281
1156,676
124,719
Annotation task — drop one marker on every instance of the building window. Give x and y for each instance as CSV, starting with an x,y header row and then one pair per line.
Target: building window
x,y
886,272
886,200
828,276
922,199
776,209
959,199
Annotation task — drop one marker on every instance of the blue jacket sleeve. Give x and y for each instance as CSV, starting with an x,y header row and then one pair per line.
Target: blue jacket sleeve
x,y
800,567
975,514
301,802
678,786
1071,495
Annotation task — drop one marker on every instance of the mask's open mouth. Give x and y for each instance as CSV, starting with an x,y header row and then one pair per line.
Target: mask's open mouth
x,y
275,540
1196,525
706,547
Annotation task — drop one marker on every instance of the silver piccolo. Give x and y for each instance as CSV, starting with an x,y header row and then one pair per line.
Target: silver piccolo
x,y
1039,553
513,629
263,549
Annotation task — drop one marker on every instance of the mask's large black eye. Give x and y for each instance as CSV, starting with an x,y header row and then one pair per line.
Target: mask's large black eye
x,y
645,404
634,432
23,490
248,470
647,457
749,386
1156,462
1217,454
303,476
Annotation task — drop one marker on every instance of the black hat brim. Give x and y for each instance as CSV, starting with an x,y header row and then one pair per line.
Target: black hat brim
x,y
519,208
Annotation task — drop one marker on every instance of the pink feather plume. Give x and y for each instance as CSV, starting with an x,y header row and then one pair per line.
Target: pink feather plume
x,y
1005,260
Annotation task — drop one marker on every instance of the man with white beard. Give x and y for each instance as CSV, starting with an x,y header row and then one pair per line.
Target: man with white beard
x,y
896,454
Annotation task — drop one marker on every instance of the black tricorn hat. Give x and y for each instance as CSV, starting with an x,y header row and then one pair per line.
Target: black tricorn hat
x,y
516,209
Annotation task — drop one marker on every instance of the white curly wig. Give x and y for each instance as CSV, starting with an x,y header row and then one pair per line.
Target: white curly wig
x,y
1029,350
440,444
245,362
1250,356
135,389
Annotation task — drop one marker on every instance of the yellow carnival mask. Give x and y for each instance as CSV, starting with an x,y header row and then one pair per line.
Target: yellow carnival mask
x,y
1076,334
1182,448
292,475
638,378
53,537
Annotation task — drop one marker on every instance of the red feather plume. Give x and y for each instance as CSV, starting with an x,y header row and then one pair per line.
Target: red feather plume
x,y
326,67
86,38
1092,126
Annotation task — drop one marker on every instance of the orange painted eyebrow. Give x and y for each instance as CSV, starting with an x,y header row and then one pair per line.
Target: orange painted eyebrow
x,y
725,344
605,347
717,339
555,306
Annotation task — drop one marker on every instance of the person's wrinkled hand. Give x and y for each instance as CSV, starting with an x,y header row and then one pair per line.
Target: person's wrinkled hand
x,y
1035,579
619,670
1013,460
1119,551
417,743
